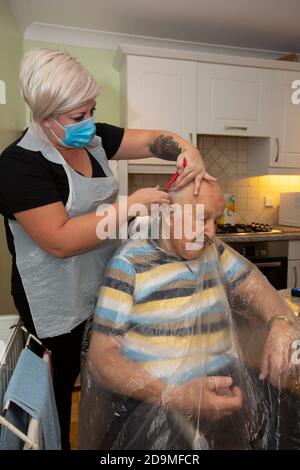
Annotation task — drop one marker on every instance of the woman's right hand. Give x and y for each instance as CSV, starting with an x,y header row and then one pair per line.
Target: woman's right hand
x,y
148,196
211,398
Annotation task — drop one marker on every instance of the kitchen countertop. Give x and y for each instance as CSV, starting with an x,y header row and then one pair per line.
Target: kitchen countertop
x,y
287,233
286,293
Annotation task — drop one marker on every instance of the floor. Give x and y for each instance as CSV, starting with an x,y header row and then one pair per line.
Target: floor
x,y
74,419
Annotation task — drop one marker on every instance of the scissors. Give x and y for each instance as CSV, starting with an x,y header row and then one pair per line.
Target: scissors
x,y
174,178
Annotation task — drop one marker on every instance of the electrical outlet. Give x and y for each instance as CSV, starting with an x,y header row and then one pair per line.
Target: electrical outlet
x,y
2,92
269,201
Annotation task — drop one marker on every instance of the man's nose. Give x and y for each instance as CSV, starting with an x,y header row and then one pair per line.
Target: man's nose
x,y
210,229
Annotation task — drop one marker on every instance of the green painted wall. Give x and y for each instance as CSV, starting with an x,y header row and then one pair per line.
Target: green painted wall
x,y
12,114
12,121
99,62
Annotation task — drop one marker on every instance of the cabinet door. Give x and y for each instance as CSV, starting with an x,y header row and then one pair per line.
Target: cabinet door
x,y
286,121
161,94
293,273
294,250
233,100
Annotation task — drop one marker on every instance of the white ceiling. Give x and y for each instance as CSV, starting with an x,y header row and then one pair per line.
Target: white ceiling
x,y
259,24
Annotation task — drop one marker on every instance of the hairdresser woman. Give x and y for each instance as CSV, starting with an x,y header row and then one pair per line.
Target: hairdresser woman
x,y
51,182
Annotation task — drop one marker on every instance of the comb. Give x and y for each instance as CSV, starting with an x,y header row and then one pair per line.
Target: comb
x,y
174,178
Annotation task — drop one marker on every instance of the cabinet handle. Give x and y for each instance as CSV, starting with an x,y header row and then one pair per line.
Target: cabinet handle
x,y
295,276
191,138
277,154
271,264
231,128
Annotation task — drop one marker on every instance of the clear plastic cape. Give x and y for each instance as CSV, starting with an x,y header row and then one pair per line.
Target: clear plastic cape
x,y
182,355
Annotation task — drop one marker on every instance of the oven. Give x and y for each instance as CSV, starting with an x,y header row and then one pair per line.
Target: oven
x,y
270,257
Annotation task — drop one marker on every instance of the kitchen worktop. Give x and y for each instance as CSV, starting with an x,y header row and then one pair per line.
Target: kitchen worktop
x,y
286,293
287,233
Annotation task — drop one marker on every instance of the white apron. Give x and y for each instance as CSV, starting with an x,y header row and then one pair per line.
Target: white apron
x,y
62,292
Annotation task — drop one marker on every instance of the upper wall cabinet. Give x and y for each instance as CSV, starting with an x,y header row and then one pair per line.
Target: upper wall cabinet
x,y
286,120
159,94
192,94
281,153
233,100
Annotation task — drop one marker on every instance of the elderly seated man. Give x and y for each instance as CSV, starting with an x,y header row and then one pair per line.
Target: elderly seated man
x,y
164,354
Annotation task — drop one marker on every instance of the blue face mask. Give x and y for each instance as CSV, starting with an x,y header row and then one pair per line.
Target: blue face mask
x,y
78,134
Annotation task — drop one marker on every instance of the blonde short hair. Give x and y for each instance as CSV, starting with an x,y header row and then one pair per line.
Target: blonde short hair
x,y
53,82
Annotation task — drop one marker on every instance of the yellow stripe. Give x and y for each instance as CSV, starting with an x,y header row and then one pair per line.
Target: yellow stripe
x,y
159,271
227,260
113,294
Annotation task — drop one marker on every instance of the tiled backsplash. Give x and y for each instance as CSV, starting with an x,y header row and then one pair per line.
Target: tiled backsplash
x,y
226,159
139,181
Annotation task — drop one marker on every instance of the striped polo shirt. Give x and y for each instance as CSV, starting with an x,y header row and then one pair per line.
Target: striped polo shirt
x,y
171,315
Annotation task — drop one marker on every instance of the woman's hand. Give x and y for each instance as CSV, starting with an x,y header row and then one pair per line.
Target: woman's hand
x,y
148,196
277,358
194,170
209,397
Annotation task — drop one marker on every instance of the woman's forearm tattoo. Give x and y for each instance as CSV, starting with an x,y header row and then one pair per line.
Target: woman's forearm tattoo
x,y
164,146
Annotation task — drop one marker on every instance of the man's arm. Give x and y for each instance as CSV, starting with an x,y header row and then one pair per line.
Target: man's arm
x,y
111,322
259,296
211,397
119,374
250,293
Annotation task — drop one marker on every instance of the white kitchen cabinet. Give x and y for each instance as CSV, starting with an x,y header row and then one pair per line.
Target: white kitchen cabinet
x,y
293,273
159,94
281,153
192,94
286,120
294,264
233,100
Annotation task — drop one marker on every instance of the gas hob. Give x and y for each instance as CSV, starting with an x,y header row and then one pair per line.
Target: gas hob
x,y
240,229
